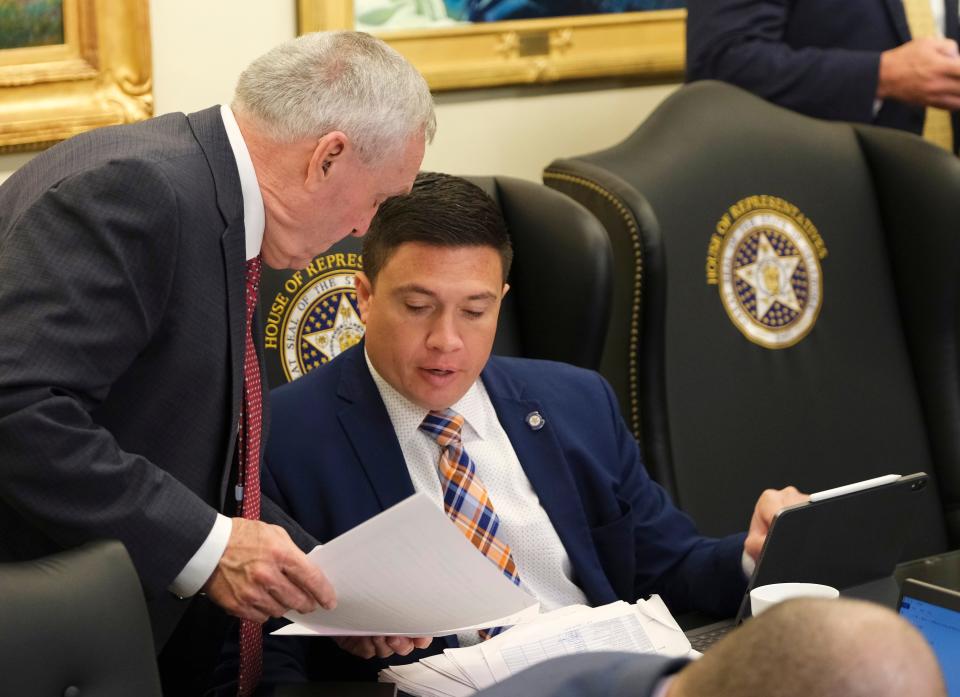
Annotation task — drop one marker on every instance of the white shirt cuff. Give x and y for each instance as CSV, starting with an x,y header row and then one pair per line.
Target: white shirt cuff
x,y
748,564
205,560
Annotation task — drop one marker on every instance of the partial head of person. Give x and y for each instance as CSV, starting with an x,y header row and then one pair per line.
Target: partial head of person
x,y
827,648
435,264
336,123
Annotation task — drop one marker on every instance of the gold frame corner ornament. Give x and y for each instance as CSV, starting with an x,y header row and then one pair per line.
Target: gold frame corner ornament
x,y
648,44
99,76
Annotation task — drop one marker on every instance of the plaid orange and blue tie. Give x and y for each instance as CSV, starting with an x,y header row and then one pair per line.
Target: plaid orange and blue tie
x,y
465,499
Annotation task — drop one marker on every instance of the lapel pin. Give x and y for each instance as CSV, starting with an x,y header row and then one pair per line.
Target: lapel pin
x,y
535,421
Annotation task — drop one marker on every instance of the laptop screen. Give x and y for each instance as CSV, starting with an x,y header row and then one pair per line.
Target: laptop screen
x,y
941,627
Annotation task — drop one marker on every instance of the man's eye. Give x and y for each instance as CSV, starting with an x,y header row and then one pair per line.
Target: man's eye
x,y
473,314
417,309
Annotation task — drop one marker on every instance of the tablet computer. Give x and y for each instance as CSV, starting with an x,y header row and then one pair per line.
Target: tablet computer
x,y
841,537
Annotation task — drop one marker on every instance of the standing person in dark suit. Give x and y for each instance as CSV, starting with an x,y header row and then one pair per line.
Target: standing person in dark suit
x,y
129,259
827,648
553,458
870,61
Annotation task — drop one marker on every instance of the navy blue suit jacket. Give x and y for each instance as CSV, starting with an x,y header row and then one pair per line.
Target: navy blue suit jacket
x,y
818,57
333,461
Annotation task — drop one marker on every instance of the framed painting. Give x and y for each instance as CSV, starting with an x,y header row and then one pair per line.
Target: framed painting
x,y
67,66
481,43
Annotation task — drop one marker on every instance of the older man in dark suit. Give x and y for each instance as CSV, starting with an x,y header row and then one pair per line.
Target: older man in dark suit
x,y
130,394
885,62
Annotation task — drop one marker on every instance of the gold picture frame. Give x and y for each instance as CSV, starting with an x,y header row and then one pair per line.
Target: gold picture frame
x,y
648,44
99,76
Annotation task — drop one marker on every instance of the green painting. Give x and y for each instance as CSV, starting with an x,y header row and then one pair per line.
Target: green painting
x,y
31,23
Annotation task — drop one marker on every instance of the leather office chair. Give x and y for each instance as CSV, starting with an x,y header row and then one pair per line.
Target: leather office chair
x,y
784,305
75,624
557,308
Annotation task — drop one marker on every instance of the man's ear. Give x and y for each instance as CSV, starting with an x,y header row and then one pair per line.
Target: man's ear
x,y
506,289
328,151
364,293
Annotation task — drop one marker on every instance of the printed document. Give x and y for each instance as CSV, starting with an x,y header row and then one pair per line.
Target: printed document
x,y
409,571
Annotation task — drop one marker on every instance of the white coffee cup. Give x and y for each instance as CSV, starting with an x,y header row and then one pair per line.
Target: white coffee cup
x,y
763,597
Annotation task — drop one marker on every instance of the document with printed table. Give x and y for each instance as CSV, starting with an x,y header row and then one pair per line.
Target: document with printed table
x,y
409,571
645,627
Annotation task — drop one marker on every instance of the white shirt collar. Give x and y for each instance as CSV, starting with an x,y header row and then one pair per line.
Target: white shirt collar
x,y
253,213
470,407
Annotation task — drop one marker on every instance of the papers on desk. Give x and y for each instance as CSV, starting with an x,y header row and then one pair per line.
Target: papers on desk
x,y
410,571
646,627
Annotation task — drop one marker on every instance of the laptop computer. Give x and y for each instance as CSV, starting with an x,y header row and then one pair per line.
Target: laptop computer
x,y
935,611
842,537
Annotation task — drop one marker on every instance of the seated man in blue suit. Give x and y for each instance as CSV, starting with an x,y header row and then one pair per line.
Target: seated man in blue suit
x,y
540,451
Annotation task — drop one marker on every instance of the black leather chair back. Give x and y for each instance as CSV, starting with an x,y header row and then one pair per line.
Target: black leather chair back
x,y
557,307
757,336
76,623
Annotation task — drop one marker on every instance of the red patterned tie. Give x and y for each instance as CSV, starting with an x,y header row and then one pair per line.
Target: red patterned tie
x,y
248,455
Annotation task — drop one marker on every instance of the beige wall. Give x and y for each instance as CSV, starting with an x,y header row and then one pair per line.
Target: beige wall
x,y
514,131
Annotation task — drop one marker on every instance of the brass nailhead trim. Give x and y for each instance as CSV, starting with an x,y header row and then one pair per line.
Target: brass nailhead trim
x,y
634,230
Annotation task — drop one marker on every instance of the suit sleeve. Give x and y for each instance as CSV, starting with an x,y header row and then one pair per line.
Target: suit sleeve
x,y
86,272
671,558
742,42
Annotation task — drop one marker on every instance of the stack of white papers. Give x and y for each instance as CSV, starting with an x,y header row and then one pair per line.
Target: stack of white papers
x,y
646,627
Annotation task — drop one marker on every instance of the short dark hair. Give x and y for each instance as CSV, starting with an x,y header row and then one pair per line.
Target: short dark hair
x,y
441,210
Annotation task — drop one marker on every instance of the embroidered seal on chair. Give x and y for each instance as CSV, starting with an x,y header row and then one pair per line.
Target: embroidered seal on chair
x,y
314,318
764,257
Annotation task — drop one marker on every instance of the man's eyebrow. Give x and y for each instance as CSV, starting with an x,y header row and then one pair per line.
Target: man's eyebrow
x,y
486,295
414,288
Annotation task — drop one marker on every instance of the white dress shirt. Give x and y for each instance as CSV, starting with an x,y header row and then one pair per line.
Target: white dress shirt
x,y
542,563
205,559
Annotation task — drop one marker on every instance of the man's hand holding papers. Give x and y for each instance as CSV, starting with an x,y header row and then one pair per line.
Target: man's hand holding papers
x,y
381,646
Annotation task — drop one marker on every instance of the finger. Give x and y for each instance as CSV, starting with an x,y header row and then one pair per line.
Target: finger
x,y
946,101
769,503
290,597
364,648
268,605
358,646
381,646
947,47
311,580
753,544
421,642
400,645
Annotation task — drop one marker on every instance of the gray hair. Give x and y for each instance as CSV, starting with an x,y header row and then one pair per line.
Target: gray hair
x,y
337,81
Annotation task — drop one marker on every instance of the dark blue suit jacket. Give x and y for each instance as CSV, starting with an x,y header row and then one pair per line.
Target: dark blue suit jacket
x,y
333,461
818,57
